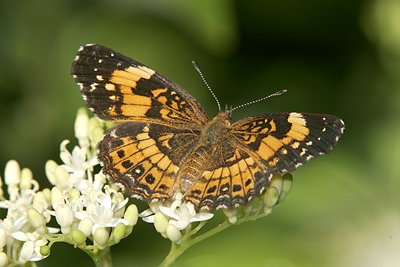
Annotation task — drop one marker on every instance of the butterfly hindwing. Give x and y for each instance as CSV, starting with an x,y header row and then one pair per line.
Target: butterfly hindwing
x,y
232,178
145,157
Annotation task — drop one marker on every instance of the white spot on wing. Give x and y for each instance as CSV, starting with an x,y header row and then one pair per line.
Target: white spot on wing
x,y
112,134
298,165
296,118
93,86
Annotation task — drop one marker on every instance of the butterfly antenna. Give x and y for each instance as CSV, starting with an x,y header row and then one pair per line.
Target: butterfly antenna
x,y
260,99
204,80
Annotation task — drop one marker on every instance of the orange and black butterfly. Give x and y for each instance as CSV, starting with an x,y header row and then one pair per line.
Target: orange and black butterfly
x,y
168,144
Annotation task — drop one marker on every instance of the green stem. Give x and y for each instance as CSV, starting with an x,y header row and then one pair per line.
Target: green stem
x,y
178,249
187,242
102,258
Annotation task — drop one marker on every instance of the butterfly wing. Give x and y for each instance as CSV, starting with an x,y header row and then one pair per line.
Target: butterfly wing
x,y
116,87
145,157
286,140
231,178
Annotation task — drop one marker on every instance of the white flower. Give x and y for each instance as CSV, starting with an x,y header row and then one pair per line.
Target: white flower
x,y
178,213
184,214
102,212
76,162
31,248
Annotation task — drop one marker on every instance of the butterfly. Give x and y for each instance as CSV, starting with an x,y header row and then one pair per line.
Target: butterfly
x,y
167,144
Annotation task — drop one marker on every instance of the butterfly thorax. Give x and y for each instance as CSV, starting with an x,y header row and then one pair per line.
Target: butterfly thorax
x,y
216,130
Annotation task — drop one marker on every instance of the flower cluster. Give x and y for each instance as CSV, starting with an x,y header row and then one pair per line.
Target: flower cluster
x,y
84,206
27,212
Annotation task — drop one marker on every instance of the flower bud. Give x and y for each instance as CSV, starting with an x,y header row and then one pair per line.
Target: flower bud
x,y
74,193
45,250
271,196
276,181
231,215
40,201
131,214
61,177
78,236
26,252
26,178
248,207
50,167
3,259
47,194
100,237
81,127
160,222
64,217
86,225
267,210
173,233
56,196
37,220
119,232
286,186
12,172
96,131
3,238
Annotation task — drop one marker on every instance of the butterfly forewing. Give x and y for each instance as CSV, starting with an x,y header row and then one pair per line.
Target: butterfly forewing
x,y
145,157
116,87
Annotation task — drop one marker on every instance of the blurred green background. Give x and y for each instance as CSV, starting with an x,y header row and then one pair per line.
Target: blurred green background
x,y
335,57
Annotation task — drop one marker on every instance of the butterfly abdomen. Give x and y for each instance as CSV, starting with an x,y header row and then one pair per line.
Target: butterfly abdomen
x,y
194,167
